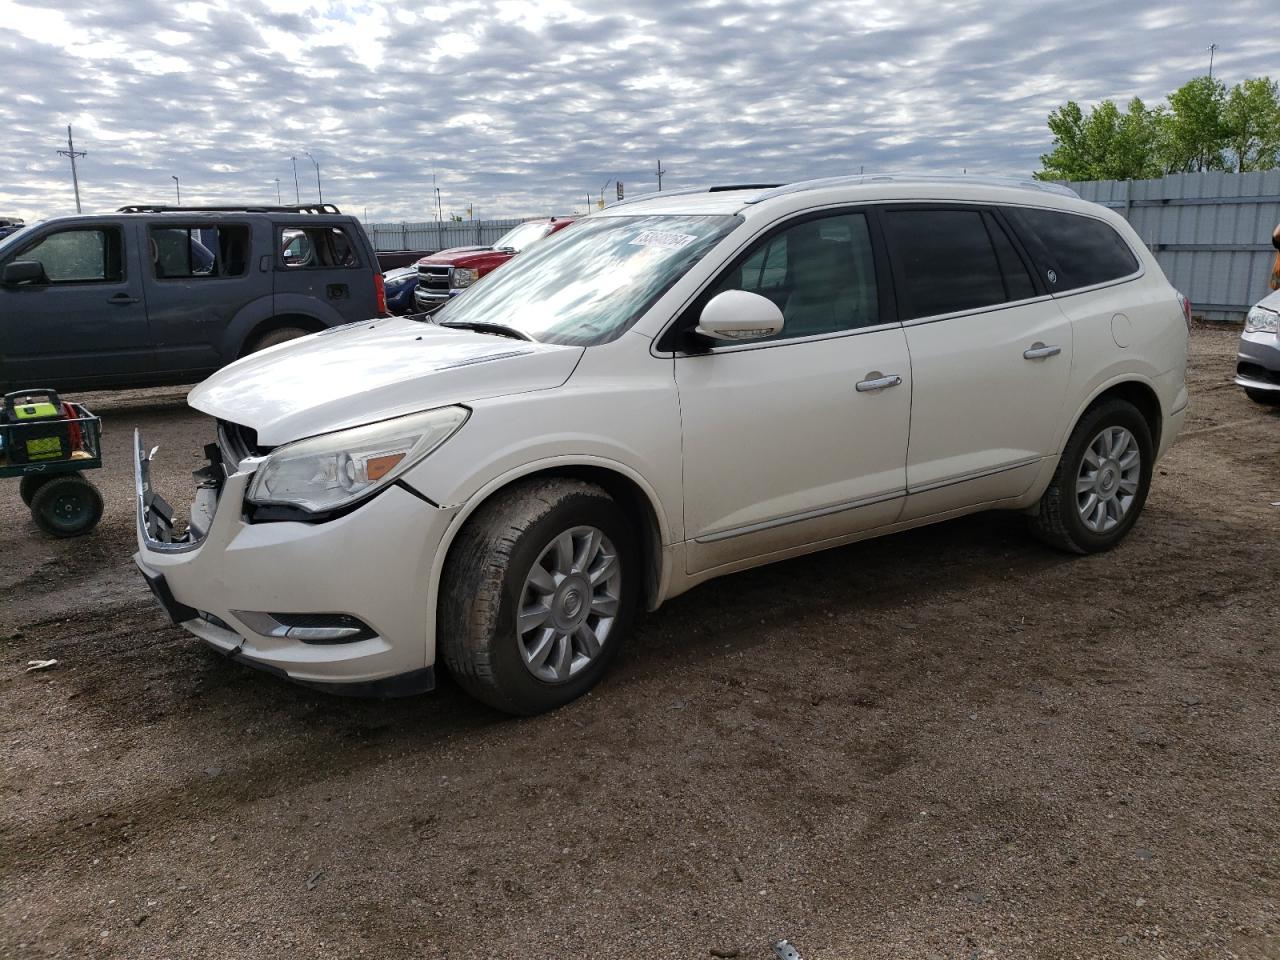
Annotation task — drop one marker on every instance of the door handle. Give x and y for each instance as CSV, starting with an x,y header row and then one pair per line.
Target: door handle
x,y
122,299
1038,351
877,381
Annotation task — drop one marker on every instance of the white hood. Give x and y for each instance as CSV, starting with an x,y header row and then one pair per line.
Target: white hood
x,y
374,370
1271,301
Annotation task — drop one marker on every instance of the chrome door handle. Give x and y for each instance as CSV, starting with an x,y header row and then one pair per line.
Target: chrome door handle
x,y
1038,351
878,382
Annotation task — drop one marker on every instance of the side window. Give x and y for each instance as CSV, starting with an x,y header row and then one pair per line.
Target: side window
x,y
187,253
944,261
820,273
79,256
1079,251
304,248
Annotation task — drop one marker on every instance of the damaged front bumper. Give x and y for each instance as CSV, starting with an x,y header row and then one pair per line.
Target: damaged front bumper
x,y
338,605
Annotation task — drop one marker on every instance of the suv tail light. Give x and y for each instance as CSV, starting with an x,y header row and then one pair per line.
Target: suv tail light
x,y
380,291
1186,310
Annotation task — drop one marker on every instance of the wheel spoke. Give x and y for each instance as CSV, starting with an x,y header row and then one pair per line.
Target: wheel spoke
x,y
604,571
587,641
538,655
1086,508
541,579
605,606
531,617
1086,482
1091,456
1130,460
1099,515
586,554
563,553
564,656
1129,486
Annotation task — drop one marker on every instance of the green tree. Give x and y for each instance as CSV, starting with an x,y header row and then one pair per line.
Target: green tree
x,y
1192,134
1105,144
1251,124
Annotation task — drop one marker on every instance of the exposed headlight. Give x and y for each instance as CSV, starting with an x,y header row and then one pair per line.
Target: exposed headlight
x,y
1261,320
337,469
463,277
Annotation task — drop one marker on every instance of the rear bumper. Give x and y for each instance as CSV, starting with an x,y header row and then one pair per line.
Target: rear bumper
x,y
371,564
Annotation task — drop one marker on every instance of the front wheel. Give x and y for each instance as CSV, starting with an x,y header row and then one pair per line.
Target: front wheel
x,y
538,595
1101,482
1269,398
275,337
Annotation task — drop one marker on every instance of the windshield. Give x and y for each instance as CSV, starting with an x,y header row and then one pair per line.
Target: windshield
x,y
520,237
588,284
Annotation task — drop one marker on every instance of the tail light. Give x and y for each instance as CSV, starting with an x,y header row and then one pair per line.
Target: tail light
x,y
1186,310
380,291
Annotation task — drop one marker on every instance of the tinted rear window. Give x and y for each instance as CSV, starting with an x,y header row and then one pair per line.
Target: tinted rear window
x,y
1078,251
944,261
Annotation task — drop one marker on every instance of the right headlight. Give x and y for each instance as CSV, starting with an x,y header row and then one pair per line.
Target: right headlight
x,y
337,469
463,277
1261,320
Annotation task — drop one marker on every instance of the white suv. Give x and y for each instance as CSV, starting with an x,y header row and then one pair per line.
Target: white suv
x,y
679,387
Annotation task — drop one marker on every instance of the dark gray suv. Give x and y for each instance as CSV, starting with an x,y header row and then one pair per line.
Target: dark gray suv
x,y
157,295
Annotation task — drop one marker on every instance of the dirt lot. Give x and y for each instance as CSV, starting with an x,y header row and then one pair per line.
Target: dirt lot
x,y
949,743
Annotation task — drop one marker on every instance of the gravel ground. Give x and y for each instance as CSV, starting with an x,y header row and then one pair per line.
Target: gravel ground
x,y
947,743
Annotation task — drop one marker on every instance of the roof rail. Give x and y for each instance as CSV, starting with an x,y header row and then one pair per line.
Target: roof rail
x,y
690,191
726,187
235,208
803,186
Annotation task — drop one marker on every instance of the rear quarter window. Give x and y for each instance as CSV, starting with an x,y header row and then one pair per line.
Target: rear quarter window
x,y
1074,250
317,247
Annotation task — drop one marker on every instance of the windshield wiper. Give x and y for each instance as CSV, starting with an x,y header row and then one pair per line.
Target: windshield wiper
x,y
481,326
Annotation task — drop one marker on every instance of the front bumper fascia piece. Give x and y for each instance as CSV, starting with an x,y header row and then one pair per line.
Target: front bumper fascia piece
x,y
371,564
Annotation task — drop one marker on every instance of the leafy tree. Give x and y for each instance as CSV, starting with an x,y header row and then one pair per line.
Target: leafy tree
x,y
1103,145
1251,124
1192,132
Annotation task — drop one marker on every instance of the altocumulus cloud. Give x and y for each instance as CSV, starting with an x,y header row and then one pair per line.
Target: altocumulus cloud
x,y
525,106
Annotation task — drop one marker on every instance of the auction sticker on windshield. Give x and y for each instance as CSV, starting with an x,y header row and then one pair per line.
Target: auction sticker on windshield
x,y
661,238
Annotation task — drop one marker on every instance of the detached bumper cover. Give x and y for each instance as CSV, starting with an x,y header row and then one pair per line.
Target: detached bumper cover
x,y
372,564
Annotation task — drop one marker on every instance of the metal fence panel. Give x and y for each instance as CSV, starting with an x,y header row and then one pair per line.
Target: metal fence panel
x,y
434,235
1211,232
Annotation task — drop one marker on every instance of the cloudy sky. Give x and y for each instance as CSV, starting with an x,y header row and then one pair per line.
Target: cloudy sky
x,y
525,106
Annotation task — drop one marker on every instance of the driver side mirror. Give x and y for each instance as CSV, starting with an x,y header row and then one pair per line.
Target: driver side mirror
x,y
23,272
737,316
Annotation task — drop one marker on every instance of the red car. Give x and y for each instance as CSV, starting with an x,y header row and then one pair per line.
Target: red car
x,y
447,273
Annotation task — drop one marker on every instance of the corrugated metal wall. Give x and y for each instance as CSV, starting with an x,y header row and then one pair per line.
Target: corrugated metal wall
x,y
430,235
1211,232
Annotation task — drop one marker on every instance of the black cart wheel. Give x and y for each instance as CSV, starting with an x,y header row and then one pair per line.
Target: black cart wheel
x,y
66,506
29,484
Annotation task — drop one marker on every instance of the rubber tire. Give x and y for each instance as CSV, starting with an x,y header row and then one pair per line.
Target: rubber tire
x,y
1057,522
483,577
46,498
30,483
273,338
1268,398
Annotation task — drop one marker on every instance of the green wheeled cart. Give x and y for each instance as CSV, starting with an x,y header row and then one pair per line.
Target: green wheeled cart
x,y
49,442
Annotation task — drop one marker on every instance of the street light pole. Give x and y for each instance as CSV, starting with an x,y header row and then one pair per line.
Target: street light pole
x,y
297,194
178,187
319,192
278,199
1212,47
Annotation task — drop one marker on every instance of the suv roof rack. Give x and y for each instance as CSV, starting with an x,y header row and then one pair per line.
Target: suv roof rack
x,y
1023,183
234,208
726,187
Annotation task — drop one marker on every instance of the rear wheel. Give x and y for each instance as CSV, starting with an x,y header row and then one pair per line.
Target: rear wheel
x,y
1270,398
66,506
1101,482
29,484
538,595
273,338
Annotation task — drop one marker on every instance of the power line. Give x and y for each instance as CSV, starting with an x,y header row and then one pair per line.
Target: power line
x,y
72,154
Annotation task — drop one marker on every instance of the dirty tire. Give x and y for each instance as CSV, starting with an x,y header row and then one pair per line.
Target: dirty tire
x,y
274,338
1057,520
484,578
66,506
1268,398
29,484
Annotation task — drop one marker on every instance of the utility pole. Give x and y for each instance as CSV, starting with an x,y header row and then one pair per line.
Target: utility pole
x,y
660,173
319,192
1212,47
297,194
178,187
278,198
71,153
